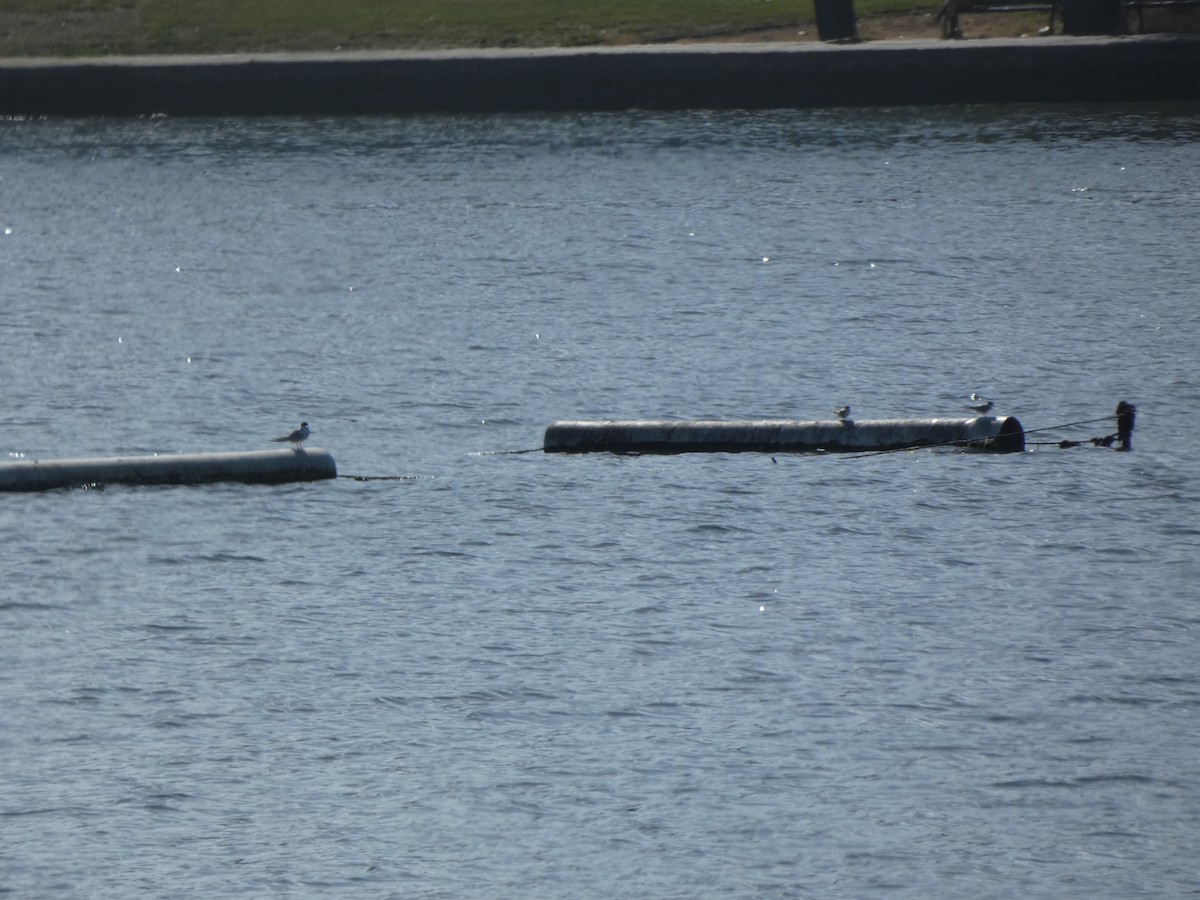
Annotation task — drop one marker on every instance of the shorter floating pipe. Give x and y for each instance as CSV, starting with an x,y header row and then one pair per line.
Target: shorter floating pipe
x,y
998,434
252,467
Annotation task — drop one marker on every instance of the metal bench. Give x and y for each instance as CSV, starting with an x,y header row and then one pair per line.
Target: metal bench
x,y
951,9
1139,6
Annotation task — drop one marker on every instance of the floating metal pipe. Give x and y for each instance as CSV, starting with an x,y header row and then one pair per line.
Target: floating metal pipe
x,y
252,467
998,434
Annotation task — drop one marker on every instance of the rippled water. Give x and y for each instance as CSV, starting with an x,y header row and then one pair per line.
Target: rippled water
x,y
513,674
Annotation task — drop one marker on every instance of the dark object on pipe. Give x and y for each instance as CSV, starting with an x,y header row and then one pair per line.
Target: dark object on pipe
x,y
255,467
836,20
993,433
1126,413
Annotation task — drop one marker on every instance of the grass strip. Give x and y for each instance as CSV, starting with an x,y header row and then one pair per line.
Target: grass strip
x,y
107,27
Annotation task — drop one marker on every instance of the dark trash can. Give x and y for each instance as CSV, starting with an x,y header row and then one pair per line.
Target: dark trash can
x,y
835,20
1092,17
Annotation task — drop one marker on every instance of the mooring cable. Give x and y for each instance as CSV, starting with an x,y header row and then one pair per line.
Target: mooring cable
x,y
384,477
1066,425
959,442
424,477
965,441
506,452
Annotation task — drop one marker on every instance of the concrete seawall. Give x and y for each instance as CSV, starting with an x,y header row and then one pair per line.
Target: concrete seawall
x,y
1139,68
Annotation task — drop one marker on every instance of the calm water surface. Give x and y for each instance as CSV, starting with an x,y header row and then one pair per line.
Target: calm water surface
x,y
519,675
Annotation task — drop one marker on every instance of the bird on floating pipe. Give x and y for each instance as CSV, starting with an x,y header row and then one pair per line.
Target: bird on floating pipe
x,y
296,438
842,412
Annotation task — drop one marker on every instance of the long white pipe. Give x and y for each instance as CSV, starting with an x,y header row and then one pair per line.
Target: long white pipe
x,y
994,433
252,467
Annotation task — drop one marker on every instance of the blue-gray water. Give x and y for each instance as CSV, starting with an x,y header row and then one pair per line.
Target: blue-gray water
x,y
517,675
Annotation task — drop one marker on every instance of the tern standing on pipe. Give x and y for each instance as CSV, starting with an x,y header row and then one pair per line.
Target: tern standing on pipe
x,y
296,438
